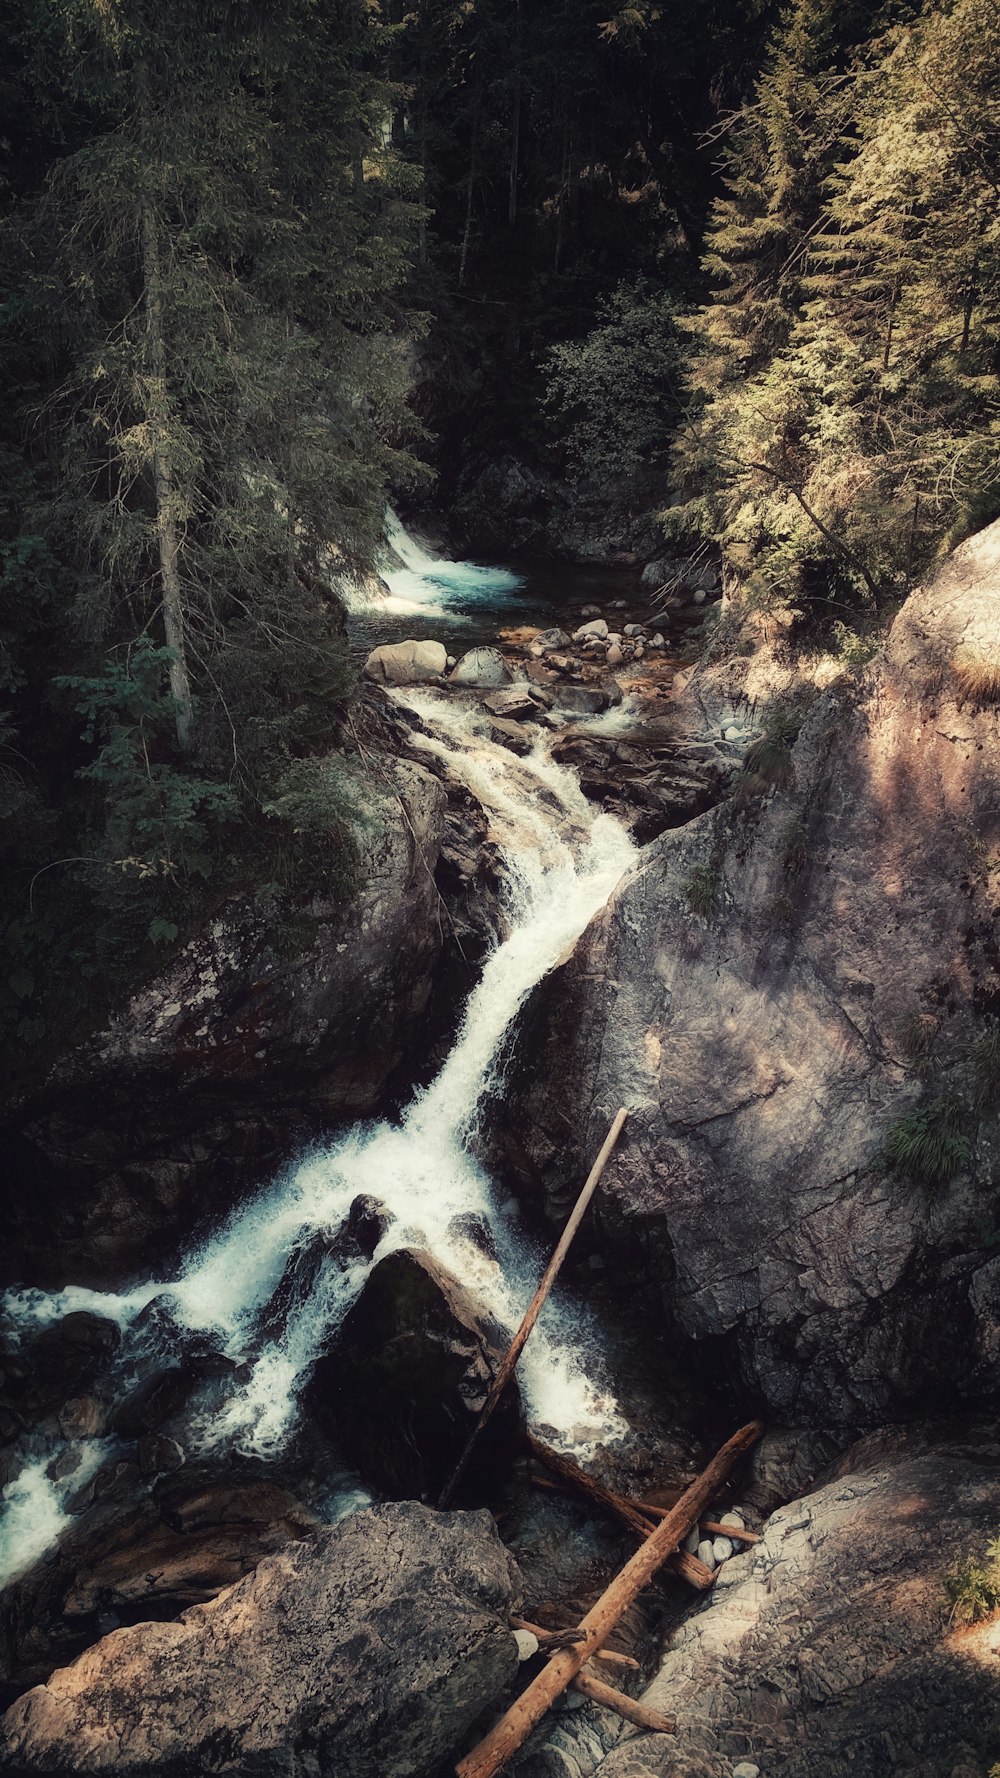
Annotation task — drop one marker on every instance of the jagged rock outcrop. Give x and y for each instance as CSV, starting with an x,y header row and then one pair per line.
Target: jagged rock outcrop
x,y
404,1385
369,1650
250,1037
827,1649
775,985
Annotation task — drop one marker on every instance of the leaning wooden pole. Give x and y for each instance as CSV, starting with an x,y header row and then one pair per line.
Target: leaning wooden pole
x,y
527,1711
537,1302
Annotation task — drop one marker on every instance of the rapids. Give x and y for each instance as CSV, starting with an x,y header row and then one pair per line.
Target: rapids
x,y
561,859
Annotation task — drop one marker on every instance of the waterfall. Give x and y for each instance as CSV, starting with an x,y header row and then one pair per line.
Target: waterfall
x,y
561,860
422,584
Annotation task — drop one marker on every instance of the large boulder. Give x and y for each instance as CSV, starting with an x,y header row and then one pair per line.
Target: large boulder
x,y
406,663
369,1650
258,1032
779,983
138,1554
828,1648
404,1386
483,669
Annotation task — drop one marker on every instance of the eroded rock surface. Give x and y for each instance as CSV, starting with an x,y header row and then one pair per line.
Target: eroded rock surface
x,y
765,1046
827,1648
369,1650
248,1040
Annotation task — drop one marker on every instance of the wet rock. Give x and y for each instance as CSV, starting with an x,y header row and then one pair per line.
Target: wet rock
x,y
159,1455
140,1555
367,1222
596,631
263,1028
368,1651
785,1464
614,656
515,704
834,1634
549,639
154,1401
512,735
83,1416
472,1226
587,700
482,668
406,663
403,1387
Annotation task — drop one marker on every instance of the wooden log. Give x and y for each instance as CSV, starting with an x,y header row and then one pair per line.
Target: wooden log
x,y
629,1708
537,1302
692,1569
689,1568
563,1638
527,1711
714,1527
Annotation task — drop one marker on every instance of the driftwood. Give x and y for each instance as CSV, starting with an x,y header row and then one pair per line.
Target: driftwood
x,y
714,1527
553,1639
599,1693
527,1711
537,1302
689,1568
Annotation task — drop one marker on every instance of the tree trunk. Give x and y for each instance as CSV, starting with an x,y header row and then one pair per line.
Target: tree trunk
x,y
515,128
163,482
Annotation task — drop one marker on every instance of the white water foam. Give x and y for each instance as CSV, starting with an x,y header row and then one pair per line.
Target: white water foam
x,y
425,585
33,1511
562,859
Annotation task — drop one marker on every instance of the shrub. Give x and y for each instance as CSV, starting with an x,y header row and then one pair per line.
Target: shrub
x,y
977,675
931,1142
973,1588
702,891
768,764
986,1071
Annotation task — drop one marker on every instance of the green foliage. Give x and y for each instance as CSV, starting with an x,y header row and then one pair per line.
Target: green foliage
x,y
930,1143
615,394
986,1071
768,763
914,1034
973,1587
701,889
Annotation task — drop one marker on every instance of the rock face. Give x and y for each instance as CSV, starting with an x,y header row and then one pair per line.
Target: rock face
x,y
369,1651
774,987
827,1649
219,1066
406,663
403,1388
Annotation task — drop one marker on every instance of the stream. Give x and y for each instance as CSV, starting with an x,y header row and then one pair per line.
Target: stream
x,y
560,860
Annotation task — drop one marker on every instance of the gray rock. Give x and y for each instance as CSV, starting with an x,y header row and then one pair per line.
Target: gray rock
x,y
482,668
550,639
692,1540
369,1650
406,663
635,630
658,640
722,1548
614,656
590,611
833,1635
759,1056
595,631
706,1552
514,705
746,1769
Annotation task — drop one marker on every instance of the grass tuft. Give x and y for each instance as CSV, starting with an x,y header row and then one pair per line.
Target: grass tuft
x,y
977,675
931,1142
702,891
973,1588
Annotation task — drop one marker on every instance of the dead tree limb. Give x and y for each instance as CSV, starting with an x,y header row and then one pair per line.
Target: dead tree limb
x,y
527,1711
537,1302
640,1714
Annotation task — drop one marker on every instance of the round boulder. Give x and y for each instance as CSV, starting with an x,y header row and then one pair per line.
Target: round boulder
x,y
406,663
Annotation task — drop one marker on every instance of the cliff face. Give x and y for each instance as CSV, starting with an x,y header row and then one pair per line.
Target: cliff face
x,y
243,1045
848,974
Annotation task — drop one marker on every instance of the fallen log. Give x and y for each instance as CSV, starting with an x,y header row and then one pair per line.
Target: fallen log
x,y
692,1569
537,1302
552,1639
527,1711
640,1714
689,1568
714,1527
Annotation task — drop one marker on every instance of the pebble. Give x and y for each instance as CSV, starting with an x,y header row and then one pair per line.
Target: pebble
x,y
733,734
722,1549
746,1769
699,596
658,641
706,1553
691,1541
450,660
735,1515
596,631
527,1644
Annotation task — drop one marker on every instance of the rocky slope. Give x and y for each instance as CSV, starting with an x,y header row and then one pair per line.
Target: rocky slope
x,y
369,1650
248,1040
777,984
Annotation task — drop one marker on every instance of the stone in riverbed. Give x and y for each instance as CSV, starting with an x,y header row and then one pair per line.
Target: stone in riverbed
x,y
553,639
706,1552
406,663
722,1548
515,704
614,656
403,1387
483,669
596,631
369,1650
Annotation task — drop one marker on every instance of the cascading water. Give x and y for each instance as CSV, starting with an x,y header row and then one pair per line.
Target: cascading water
x,y
561,861
421,584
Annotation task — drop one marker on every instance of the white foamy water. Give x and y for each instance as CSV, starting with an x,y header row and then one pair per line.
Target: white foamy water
x,y
561,861
424,585
32,1513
